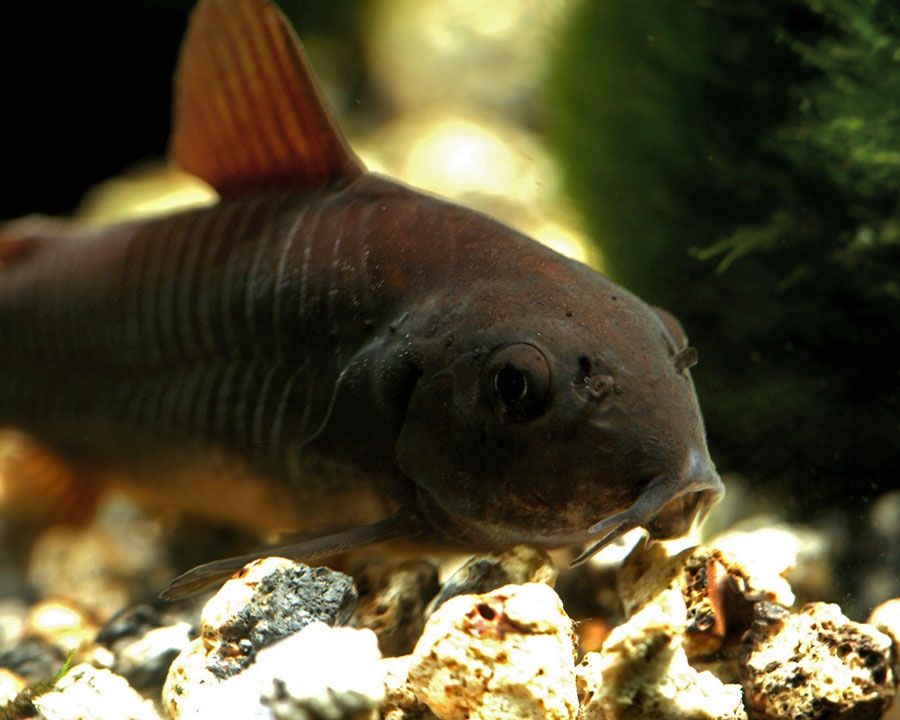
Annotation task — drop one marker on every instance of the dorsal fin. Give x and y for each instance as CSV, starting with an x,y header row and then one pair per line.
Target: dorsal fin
x,y
248,111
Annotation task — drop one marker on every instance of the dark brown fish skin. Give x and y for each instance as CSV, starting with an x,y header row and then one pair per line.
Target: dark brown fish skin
x,y
354,326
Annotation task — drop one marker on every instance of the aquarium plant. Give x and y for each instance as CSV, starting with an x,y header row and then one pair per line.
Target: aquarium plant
x,y
739,164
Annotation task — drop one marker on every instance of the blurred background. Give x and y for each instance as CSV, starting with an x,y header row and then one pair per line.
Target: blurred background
x,y
736,163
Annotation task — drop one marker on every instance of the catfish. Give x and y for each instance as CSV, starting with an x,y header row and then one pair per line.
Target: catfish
x,y
328,351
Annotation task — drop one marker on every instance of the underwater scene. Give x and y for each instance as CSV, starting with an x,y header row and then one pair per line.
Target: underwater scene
x,y
418,359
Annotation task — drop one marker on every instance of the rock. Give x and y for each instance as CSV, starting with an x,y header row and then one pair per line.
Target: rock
x,y
334,674
105,565
98,656
400,702
815,664
60,623
392,602
716,591
143,644
590,590
223,673
145,662
319,672
483,573
267,601
11,684
33,659
86,693
12,620
131,622
886,617
642,672
51,630
507,653
784,559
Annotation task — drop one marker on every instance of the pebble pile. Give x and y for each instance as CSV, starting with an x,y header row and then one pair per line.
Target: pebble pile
x,y
709,632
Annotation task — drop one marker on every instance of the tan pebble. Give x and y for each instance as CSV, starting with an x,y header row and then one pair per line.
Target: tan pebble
x,y
12,620
815,664
780,558
187,677
142,660
642,673
528,564
101,566
237,593
886,617
506,653
392,602
482,573
400,702
98,656
60,623
718,594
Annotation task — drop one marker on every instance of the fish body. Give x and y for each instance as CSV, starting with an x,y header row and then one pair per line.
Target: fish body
x,y
339,350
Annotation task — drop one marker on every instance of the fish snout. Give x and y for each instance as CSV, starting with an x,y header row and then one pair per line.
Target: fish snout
x,y
667,506
693,494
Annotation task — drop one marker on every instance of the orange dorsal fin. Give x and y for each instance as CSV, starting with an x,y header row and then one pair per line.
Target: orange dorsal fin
x,y
248,111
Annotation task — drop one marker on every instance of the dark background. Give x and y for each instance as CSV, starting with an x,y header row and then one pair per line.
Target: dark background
x,y
86,91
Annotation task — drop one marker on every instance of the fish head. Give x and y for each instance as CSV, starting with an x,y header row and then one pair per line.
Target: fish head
x,y
563,411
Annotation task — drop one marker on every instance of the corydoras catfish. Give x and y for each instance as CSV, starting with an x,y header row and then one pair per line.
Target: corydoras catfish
x,y
328,351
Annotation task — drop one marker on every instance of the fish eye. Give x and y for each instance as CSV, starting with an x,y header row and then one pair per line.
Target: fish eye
x,y
518,381
511,384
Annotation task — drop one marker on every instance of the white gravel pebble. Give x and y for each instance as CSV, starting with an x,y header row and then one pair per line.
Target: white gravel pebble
x,y
145,661
642,672
886,617
268,600
777,557
10,685
815,664
400,702
507,653
319,672
86,693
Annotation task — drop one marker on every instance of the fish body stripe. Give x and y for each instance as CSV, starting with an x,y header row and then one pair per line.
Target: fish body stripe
x,y
227,325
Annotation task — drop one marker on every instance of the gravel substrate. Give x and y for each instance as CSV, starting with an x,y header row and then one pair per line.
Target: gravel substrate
x,y
664,631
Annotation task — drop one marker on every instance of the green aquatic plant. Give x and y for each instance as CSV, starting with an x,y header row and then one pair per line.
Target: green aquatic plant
x,y
739,163
22,705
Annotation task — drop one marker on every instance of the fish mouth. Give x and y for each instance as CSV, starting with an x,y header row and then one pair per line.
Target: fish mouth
x,y
667,506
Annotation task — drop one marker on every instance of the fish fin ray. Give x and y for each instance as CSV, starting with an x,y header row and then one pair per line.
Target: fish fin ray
x,y
248,111
398,525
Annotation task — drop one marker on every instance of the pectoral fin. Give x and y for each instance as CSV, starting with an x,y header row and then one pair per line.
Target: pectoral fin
x,y
401,524
248,111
